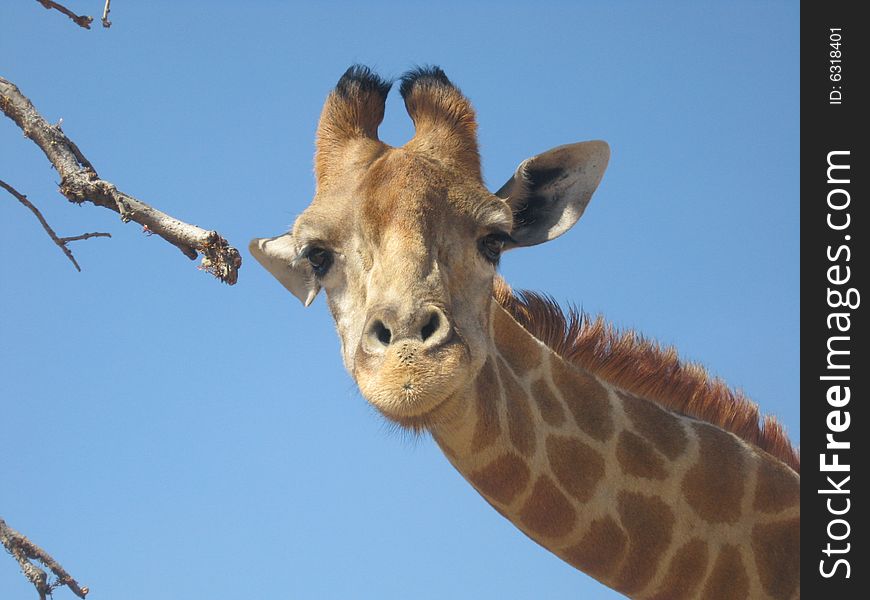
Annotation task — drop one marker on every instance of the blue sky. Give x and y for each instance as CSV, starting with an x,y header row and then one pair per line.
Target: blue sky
x,y
165,435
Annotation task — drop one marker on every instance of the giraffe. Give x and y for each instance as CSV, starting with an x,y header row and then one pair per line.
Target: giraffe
x,y
604,448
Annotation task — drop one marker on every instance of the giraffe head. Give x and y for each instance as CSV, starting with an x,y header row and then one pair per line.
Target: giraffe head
x,y
405,240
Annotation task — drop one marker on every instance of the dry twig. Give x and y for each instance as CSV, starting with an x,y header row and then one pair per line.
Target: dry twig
x,y
106,9
79,182
25,552
81,21
60,241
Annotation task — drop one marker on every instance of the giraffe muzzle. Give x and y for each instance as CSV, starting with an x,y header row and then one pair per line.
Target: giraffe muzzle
x,y
409,363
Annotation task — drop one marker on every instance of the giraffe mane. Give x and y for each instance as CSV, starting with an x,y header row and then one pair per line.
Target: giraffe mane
x,y
644,368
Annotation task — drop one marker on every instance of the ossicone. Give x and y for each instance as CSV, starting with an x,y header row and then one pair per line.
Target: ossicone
x,y
444,120
352,113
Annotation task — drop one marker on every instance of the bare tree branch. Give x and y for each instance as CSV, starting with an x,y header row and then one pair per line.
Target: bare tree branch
x,y
83,236
61,242
80,183
26,551
81,21
106,22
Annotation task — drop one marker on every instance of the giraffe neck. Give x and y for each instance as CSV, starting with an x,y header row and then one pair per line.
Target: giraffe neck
x,y
650,503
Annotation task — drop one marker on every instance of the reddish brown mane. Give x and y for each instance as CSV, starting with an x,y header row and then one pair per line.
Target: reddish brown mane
x,y
644,368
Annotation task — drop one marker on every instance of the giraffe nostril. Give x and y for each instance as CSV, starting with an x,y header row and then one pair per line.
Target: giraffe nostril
x,y
430,327
383,334
422,330
437,329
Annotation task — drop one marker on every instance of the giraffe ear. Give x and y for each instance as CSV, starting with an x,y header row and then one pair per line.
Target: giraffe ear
x,y
283,260
550,191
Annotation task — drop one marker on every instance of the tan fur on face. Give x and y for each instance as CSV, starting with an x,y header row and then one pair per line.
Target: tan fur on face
x,y
403,226
405,205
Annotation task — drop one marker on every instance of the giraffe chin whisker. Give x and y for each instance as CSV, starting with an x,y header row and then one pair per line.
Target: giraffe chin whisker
x,y
416,395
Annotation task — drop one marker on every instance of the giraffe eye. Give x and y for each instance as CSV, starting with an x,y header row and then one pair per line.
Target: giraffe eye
x,y
491,245
320,260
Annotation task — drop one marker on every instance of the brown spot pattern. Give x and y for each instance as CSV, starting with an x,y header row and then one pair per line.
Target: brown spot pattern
x,y
777,557
547,512
519,414
728,580
586,399
778,487
649,523
714,485
487,428
637,457
550,407
601,549
577,466
660,427
642,367
685,572
515,344
502,479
